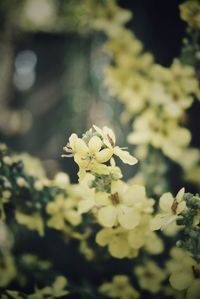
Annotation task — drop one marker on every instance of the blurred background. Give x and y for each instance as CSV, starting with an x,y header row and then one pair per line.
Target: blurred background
x,y
51,78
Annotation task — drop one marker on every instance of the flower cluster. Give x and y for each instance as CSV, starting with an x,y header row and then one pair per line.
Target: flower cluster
x,y
156,98
122,209
190,13
184,273
94,149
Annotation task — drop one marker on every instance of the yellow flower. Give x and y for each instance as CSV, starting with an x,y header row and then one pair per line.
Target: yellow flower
x,y
124,205
120,287
141,236
184,273
150,276
32,222
56,290
149,128
109,140
117,242
7,269
62,209
88,156
171,208
190,12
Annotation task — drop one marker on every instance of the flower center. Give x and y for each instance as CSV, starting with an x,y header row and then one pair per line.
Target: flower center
x,y
111,141
196,272
174,206
115,198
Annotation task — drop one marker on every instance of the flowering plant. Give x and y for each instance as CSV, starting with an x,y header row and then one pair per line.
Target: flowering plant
x,y
105,237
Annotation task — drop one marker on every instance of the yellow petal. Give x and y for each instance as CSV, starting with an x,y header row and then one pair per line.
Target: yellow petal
x,y
82,163
134,194
180,136
107,216
59,284
193,291
103,236
118,186
95,144
72,140
180,194
100,168
85,205
119,247
104,155
128,217
81,147
108,132
125,156
136,238
139,137
166,202
180,280
102,199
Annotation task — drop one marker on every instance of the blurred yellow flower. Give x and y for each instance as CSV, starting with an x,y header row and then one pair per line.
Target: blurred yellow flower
x,y
32,222
184,273
150,276
58,289
120,287
190,12
62,209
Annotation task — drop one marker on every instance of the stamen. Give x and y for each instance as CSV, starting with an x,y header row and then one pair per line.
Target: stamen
x,y
111,141
174,206
196,272
115,198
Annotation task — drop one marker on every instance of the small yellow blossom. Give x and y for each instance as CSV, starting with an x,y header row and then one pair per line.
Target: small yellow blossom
x,y
7,160
171,208
120,287
109,140
116,240
62,209
58,289
88,156
150,276
21,182
184,273
62,180
124,205
32,222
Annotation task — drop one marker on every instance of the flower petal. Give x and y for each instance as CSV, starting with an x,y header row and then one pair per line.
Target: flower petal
x,y
124,156
95,144
194,290
107,216
180,280
81,147
128,217
102,199
104,155
72,140
180,194
100,168
119,247
85,205
166,202
110,135
103,236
